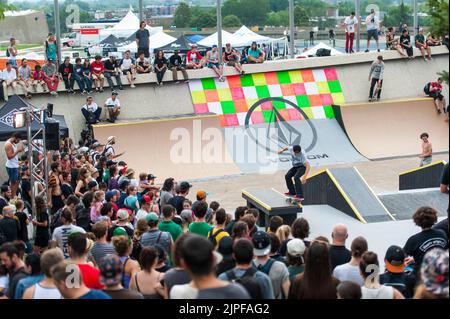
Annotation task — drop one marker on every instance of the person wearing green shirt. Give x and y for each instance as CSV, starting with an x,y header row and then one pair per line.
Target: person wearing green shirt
x,y
200,226
422,45
255,54
167,224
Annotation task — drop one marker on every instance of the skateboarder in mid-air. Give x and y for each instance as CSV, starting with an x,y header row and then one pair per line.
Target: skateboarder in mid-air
x,y
299,172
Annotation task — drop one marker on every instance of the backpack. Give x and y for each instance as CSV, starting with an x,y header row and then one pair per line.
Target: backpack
x,y
213,236
8,54
266,268
426,89
248,282
323,52
55,221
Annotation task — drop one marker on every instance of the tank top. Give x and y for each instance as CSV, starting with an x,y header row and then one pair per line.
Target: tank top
x,y
146,296
125,278
213,56
383,292
46,293
14,162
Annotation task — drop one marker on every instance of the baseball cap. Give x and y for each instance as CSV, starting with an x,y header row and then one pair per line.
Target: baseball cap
x,y
151,176
129,172
111,270
226,246
214,46
193,45
152,217
122,214
115,93
296,247
145,199
184,186
109,195
110,163
395,259
122,163
123,183
186,215
261,241
110,139
434,272
96,144
119,231
201,195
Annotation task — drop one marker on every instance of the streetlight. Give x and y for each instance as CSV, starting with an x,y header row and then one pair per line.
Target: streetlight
x,y
358,28
292,28
416,20
219,29
57,31
141,10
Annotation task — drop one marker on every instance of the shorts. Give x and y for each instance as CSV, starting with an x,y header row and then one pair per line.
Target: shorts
x,y
231,63
125,72
13,174
426,161
212,65
98,76
437,96
372,34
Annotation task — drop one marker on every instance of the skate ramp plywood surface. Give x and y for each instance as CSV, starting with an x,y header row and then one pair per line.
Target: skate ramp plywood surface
x,y
183,148
392,129
427,176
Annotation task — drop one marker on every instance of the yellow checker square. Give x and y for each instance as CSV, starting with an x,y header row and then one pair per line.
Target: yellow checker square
x,y
198,97
323,87
296,77
259,79
309,113
224,95
251,102
338,98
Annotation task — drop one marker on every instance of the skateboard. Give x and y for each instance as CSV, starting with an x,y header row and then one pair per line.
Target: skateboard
x,y
293,201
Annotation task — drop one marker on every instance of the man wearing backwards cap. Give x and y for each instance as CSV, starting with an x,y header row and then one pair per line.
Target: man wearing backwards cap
x,y
178,200
109,151
194,59
395,275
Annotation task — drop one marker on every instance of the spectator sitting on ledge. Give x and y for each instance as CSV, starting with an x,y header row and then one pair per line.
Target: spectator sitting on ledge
x,y
255,55
91,111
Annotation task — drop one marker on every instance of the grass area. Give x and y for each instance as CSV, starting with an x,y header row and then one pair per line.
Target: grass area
x,y
3,47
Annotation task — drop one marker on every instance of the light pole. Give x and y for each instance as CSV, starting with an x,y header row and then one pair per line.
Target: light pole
x,y
416,20
358,28
141,10
57,31
219,29
292,28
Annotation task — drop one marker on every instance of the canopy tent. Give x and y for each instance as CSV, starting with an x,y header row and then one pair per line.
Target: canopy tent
x,y
112,40
182,44
247,36
157,40
14,104
126,27
195,38
314,49
226,38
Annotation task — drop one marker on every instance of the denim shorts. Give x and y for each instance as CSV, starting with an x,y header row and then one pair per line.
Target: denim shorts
x,y
13,174
372,34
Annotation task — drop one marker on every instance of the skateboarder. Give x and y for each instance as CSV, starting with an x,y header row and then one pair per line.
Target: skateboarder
x,y
299,172
427,150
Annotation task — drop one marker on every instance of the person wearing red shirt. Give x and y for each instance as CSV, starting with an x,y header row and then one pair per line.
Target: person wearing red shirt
x,y
194,58
98,69
79,246
434,90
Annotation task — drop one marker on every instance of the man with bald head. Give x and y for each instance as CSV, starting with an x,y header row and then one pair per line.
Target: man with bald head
x,y
339,254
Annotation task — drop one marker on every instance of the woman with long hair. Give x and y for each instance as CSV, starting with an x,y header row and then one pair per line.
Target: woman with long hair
x,y
160,65
240,230
316,282
167,191
148,280
42,226
82,182
123,247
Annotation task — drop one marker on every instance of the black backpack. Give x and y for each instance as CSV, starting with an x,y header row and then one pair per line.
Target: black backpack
x,y
213,236
323,52
426,89
55,221
248,282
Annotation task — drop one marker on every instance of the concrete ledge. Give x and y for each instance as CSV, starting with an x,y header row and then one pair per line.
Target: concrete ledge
x,y
272,66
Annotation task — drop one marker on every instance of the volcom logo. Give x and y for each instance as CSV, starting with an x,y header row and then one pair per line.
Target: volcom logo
x,y
8,119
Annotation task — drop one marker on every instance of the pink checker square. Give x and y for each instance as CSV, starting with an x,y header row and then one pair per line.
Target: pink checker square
x,y
237,94
331,74
299,88
267,106
257,117
295,115
201,108
327,99
231,120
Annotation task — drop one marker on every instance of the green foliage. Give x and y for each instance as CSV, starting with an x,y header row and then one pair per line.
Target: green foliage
x,y
183,15
278,5
204,20
278,19
398,15
444,76
438,10
231,21
5,7
301,17
346,7
250,12
314,8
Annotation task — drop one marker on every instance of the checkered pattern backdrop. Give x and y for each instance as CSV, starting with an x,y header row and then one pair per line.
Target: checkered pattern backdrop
x,y
314,91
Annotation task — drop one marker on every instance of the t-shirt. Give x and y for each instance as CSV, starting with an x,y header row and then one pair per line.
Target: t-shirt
x,y
26,188
350,24
97,67
155,236
164,198
9,76
128,229
298,160
348,272
194,57
175,60
126,64
339,255
294,271
218,234
91,107
123,294
91,276
49,70
23,230
111,66
263,280
67,190
255,53
171,227
65,70
25,73
160,62
383,292
442,225
144,38
372,22
278,274
231,291
419,38
100,250
10,228
176,276
61,235
419,244
177,202
95,294
403,282
200,228
405,40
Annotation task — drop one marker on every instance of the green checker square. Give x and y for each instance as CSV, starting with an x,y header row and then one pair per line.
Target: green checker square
x,y
329,113
308,112
303,101
335,86
279,105
208,84
262,91
269,116
228,107
247,80
283,77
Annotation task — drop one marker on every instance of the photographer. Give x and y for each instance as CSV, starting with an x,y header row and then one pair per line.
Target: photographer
x,y
91,111
113,106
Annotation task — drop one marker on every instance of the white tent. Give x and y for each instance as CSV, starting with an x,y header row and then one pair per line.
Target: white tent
x,y
126,27
227,37
321,45
157,40
247,36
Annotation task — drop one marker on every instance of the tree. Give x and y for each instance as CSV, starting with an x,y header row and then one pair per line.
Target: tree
x,y
346,7
278,19
250,12
438,10
204,20
300,16
230,21
278,5
398,15
314,8
5,7
182,15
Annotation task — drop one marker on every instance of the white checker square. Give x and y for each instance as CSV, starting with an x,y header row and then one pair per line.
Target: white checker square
x,y
195,85
250,92
318,113
291,99
311,88
215,107
275,90
221,85
241,118
319,75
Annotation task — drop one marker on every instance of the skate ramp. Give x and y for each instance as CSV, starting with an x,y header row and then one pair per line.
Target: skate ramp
x,y
384,130
428,176
185,148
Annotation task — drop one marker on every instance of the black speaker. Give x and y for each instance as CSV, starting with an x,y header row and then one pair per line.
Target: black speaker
x,y
52,135
323,52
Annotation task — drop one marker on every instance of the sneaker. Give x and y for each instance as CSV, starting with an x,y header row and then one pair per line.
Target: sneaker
x,y
101,90
133,86
370,99
90,92
300,198
378,50
288,194
187,81
121,88
97,90
84,92
367,51
378,99
177,82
